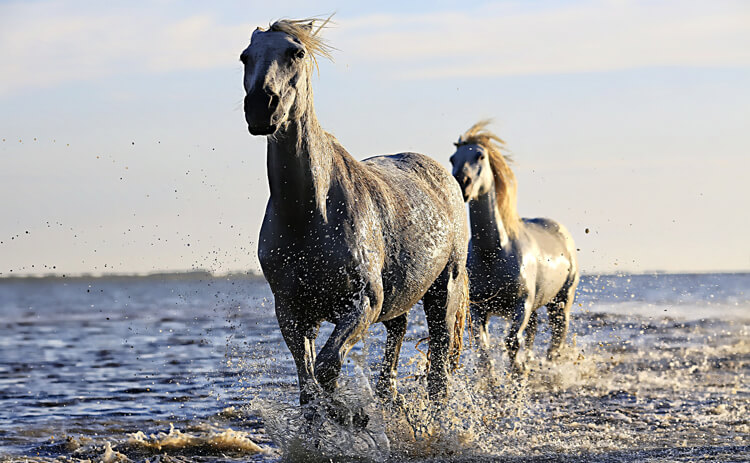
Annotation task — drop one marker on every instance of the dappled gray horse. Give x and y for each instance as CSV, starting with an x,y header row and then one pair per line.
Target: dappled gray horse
x,y
515,265
349,242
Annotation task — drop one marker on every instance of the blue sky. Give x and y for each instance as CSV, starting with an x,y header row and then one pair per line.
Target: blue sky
x,y
124,148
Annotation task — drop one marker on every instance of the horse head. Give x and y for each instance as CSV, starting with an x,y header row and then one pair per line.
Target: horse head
x,y
278,65
480,167
471,168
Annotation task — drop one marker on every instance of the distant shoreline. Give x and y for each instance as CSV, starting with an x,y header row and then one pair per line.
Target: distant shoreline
x,y
168,276
252,276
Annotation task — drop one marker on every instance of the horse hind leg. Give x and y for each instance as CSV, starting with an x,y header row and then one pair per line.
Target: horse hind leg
x,y
445,306
396,329
559,319
530,331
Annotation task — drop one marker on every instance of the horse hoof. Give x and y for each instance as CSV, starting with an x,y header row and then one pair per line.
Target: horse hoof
x,y
391,399
311,414
398,401
518,371
340,413
360,418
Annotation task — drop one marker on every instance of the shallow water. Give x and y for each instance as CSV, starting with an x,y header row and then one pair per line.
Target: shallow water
x,y
194,368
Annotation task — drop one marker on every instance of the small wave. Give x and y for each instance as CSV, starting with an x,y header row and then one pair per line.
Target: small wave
x,y
216,440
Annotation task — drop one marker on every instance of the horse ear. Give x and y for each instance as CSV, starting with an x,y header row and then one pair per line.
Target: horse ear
x,y
308,26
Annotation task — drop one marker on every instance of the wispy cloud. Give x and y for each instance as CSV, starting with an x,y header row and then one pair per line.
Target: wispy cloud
x,y
44,43
576,37
47,43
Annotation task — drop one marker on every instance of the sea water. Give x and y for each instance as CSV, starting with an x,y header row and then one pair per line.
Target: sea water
x,y
193,368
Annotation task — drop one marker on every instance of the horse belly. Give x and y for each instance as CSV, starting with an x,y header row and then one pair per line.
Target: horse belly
x,y
411,268
404,286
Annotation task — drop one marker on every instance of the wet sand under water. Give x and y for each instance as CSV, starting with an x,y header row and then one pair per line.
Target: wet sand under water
x,y
657,369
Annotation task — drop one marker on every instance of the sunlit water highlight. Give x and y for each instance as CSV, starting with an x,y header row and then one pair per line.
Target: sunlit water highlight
x,y
194,369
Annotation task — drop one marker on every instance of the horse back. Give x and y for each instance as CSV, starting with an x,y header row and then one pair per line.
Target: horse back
x,y
415,190
423,222
557,263
404,171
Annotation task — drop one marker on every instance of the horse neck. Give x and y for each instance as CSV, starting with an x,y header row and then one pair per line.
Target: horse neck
x,y
487,229
300,163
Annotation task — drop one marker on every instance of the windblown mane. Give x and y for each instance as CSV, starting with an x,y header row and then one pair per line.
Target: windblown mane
x,y
305,31
506,187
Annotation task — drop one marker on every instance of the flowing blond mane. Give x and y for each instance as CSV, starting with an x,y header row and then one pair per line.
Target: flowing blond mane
x,y
306,32
506,188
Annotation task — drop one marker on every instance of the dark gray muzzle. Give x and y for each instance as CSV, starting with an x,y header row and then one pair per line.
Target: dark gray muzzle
x,y
260,108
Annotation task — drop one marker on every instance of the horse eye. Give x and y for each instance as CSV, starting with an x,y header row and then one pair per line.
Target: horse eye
x,y
297,53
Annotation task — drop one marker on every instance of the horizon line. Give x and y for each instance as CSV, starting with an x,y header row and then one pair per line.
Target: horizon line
x,y
252,274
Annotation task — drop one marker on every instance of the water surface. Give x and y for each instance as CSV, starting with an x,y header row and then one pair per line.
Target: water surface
x,y
194,368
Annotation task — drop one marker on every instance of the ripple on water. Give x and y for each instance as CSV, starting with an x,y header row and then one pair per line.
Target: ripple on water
x,y
212,381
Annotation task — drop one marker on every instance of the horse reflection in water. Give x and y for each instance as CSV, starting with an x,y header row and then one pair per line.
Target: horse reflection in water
x,y
349,242
515,265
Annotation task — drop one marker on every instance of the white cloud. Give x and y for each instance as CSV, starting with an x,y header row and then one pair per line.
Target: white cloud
x,y
43,44
584,37
47,43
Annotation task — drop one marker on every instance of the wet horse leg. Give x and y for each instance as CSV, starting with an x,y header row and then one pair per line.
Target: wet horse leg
x,y
441,303
348,331
480,321
299,336
521,315
559,319
396,328
530,331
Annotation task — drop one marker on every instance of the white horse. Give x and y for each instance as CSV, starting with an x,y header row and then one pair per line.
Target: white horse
x,y
349,242
515,265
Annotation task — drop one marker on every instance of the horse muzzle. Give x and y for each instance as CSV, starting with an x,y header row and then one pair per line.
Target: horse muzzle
x,y
466,186
260,112
262,130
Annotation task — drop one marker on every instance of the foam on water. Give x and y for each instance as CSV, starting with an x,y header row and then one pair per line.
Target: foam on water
x,y
309,433
218,440
690,396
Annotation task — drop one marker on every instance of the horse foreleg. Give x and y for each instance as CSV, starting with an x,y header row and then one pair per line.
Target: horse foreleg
x,y
348,331
521,315
479,323
300,339
530,331
396,328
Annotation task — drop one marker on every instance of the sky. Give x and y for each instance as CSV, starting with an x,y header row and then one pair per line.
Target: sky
x,y
123,146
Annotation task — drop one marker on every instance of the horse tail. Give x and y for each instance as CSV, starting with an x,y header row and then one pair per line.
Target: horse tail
x,y
461,312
